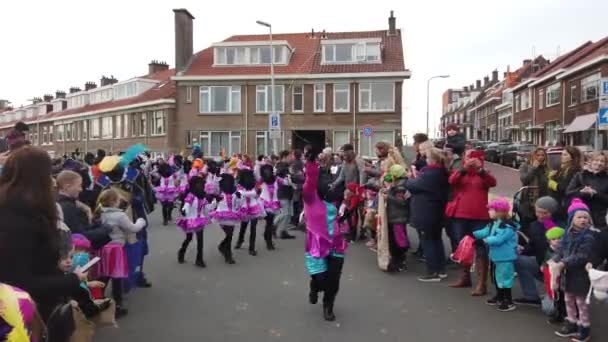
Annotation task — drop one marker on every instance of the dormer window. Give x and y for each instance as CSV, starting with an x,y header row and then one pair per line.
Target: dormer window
x,y
78,101
133,87
256,53
101,95
348,51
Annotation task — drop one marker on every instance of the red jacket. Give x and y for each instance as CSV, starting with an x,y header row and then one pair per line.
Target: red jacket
x,y
470,195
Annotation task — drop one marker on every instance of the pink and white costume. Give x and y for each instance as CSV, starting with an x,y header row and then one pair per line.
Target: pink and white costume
x,y
212,184
197,212
269,195
228,212
168,190
251,205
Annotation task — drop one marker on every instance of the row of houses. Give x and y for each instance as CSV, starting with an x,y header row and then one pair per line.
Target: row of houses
x,y
543,102
328,87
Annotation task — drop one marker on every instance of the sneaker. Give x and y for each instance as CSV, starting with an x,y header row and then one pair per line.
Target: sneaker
x,y
492,301
430,278
526,301
569,329
421,259
442,275
506,306
584,334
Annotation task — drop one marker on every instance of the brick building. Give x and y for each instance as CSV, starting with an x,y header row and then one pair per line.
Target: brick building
x,y
328,86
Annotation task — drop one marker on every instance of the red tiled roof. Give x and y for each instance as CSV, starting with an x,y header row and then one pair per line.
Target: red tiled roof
x,y
306,57
568,59
164,89
600,49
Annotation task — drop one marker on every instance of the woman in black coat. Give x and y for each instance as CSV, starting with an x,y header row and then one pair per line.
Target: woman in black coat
x,y
29,237
559,180
429,192
592,187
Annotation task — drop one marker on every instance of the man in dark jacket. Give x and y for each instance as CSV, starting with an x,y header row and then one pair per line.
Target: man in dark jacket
x,y
455,139
285,196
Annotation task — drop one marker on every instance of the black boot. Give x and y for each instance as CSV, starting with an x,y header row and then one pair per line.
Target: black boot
x,y
328,312
199,249
165,215
181,255
241,239
270,245
313,295
199,261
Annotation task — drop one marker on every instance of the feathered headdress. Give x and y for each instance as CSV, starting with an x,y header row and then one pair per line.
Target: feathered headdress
x,y
132,153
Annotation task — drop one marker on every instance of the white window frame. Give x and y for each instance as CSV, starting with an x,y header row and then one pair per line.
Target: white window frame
x,y
234,89
359,53
319,88
163,118
232,135
588,82
348,132
126,122
118,126
526,99
107,128
371,96
369,140
550,90
143,119
268,143
573,92
265,88
347,90
293,96
60,131
541,97
188,94
94,132
250,55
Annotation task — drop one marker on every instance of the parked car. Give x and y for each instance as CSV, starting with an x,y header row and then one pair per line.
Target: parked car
x,y
516,154
554,157
494,151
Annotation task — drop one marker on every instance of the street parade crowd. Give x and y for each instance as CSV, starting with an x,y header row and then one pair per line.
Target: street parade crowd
x,y
60,216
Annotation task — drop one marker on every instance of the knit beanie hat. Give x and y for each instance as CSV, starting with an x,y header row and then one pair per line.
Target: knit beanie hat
x,y
555,233
547,203
80,241
500,204
577,205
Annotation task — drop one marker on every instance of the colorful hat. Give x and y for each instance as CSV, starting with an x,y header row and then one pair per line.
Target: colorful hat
x,y
80,241
547,203
397,171
108,163
555,233
198,163
577,205
500,204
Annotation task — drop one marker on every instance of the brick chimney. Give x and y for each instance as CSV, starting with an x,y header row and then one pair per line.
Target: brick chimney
x,y
90,85
183,38
36,100
392,25
48,97
4,104
471,88
156,66
477,85
107,81
527,61
486,81
74,90
495,76
60,94
466,89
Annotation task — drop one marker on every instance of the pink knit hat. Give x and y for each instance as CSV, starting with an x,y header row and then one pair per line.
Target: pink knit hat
x,y
576,205
500,204
80,241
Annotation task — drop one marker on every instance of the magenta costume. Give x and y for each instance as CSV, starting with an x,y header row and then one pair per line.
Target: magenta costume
x,y
228,211
269,195
167,191
251,205
196,214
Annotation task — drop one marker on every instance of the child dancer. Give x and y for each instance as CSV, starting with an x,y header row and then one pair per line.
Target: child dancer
x,y
113,256
270,185
195,218
574,253
251,210
167,191
211,172
325,243
501,236
227,214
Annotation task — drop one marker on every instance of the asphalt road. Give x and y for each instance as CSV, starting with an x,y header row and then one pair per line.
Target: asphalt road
x,y
264,298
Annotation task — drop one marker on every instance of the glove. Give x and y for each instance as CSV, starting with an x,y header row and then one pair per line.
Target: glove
x,y
552,185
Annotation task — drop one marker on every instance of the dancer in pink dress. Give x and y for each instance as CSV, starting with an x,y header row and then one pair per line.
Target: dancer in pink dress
x,y
167,191
252,208
272,206
227,214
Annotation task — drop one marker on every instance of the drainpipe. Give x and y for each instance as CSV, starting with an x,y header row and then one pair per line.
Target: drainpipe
x,y
534,114
563,123
113,133
246,119
355,136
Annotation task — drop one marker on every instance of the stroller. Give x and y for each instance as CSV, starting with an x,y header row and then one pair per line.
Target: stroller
x,y
521,199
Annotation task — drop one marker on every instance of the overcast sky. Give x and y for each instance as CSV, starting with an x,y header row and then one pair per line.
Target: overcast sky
x,y
51,45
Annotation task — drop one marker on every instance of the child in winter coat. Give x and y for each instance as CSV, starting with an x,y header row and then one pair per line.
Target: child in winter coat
x,y
113,263
501,237
397,213
575,251
557,306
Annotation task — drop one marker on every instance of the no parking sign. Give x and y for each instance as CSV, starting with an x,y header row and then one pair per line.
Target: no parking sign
x,y
368,131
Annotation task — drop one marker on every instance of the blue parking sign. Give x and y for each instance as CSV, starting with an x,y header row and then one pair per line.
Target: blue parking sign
x,y
368,131
603,116
605,87
274,121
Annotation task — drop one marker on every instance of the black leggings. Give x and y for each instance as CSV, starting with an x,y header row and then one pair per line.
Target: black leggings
x,y
269,228
227,242
167,209
199,243
252,233
328,281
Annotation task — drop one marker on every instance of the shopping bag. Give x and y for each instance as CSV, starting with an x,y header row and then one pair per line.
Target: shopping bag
x,y
465,252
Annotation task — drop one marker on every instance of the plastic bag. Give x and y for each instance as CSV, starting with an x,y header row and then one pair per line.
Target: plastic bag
x,y
465,253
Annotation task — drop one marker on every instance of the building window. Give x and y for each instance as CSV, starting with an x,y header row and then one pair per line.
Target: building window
x,y
51,136
590,87
143,124
45,135
58,106
85,130
220,99
525,100
101,96
59,131
188,94
106,127
541,98
341,97
347,53
319,101
215,142
263,143
340,139
69,131
125,127
298,98
158,122
517,103
125,90
553,92
367,145
263,96
118,130
250,55
376,97
134,123
94,128
573,95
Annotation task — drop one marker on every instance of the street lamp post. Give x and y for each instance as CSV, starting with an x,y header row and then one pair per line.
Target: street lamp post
x,y
428,84
275,142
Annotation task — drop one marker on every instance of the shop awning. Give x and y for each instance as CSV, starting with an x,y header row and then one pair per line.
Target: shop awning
x,y
581,123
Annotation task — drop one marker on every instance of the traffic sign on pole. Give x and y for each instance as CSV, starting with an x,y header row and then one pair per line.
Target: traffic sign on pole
x,y
274,121
604,87
367,131
603,103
